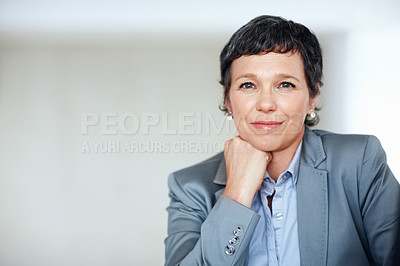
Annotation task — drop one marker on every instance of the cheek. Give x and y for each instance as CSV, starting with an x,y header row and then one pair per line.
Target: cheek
x,y
296,112
296,108
241,106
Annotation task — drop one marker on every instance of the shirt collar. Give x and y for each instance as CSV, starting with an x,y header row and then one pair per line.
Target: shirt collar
x,y
293,167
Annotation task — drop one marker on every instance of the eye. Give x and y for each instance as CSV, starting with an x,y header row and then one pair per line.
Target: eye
x,y
286,85
247,85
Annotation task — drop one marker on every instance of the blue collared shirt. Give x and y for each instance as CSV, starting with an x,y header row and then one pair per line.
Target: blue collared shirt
x,y
275,240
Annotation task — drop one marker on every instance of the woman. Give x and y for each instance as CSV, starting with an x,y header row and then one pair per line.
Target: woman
x,y
282,194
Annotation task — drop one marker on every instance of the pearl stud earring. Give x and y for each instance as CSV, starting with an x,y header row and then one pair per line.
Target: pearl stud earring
x,y
312,114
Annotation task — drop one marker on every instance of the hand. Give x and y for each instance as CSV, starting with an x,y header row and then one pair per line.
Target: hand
x,y
245,169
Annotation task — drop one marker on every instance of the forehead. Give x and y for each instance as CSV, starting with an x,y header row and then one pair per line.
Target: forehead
x,y
268,65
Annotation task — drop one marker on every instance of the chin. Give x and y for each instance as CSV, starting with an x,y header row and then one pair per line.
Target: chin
x,y
267,148
263,143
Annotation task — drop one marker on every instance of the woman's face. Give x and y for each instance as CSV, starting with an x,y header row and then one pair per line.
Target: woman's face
x,y
269,99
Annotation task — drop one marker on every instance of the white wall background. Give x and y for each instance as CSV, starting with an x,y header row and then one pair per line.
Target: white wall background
x,y
63,205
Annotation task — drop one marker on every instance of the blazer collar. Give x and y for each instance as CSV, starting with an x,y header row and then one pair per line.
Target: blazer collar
x,y
312,154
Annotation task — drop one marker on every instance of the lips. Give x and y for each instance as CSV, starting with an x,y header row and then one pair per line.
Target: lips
x,y
266,125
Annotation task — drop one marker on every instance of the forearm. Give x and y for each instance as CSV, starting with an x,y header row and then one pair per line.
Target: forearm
x,y
208,245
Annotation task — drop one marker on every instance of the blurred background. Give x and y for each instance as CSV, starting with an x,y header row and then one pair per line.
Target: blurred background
x,y
101,100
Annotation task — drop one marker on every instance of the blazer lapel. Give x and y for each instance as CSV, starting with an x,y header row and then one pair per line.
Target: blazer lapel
x,y
312,202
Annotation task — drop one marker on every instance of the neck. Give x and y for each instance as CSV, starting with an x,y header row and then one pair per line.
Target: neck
x,y
282,158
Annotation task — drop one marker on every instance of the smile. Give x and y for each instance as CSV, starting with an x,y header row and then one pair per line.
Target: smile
x,y
266,125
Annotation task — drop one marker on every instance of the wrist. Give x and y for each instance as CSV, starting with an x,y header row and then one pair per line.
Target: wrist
x,y
242,197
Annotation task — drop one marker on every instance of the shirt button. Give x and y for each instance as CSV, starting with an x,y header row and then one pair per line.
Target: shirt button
x,y
238,231
233,240
229,250
279,216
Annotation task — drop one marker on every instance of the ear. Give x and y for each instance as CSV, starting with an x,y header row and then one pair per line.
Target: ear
x,y
228,102
312,103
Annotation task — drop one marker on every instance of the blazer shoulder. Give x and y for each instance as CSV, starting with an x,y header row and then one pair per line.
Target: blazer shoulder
x,y
351,142
203,172
351,147
194,185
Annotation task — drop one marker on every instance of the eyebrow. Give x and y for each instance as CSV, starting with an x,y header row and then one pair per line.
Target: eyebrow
x,y
277,75
246,75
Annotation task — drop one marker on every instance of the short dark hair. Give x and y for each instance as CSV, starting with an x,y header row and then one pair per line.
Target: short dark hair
x,y
266,34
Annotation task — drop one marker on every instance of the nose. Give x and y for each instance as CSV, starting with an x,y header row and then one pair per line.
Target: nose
x,y
266,101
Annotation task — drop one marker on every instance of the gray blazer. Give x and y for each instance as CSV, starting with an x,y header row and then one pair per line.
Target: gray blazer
x,y
348,208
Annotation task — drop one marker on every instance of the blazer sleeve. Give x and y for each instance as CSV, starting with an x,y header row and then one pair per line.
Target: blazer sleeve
x,y
379,195
199,236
